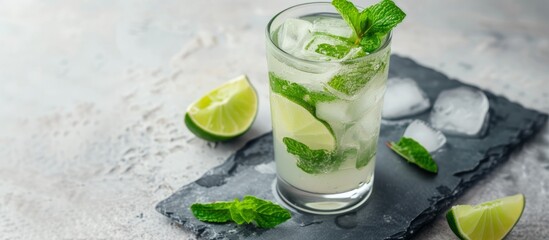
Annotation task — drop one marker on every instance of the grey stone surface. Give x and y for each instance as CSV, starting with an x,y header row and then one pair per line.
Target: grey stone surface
x,y
399,206
92,95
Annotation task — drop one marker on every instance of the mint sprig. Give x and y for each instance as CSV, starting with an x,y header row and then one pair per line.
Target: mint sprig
x,y
265,214
414,153
372,24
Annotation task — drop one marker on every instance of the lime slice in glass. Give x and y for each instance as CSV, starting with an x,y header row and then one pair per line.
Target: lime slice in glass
x,y
489,220
292,120
224,113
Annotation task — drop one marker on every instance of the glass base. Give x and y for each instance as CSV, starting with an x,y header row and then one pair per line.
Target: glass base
x,y
320,203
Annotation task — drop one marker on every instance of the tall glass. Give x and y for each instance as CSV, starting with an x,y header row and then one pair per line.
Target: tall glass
x,y
326,118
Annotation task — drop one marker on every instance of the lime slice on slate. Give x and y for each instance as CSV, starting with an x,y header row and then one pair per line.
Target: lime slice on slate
x,y
224,113
292,120
487,221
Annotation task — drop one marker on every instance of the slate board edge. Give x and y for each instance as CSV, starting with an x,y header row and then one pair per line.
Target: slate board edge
x,y
486,166
222,171
491,162
226,169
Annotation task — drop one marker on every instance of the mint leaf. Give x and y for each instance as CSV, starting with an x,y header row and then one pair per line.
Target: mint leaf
x,y
414,153
263,213
326,44
370,43
380,18
350,14
212,212
312,161
300,95
373,23
336,51
236,213
357,74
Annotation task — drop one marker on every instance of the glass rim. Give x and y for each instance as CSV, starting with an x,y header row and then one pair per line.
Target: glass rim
x,y
385,44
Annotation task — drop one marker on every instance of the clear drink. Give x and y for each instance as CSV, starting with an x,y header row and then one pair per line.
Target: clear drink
x,y
326,99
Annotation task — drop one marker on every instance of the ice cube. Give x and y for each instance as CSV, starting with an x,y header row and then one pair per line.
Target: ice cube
x,y
292,33
349,136
355,52
358,140
425,135
370,97
332,26
336,111
460,111
370,125
371,121
361,133
403,98
367,102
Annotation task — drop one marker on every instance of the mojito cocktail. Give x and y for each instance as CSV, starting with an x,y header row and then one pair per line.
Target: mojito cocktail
x,y
326,95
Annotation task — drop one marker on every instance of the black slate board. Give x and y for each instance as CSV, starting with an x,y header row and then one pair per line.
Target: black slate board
x,y
404,198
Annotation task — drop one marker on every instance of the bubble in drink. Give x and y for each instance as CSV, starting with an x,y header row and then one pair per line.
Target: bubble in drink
x,y
430,138
404,98
291,35
460,111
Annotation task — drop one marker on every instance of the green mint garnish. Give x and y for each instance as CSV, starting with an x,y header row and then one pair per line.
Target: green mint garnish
x,y
263,213
372,24
414,153
370,27
312,161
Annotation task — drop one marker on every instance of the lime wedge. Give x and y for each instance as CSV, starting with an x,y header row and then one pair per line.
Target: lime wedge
x,y
489,220
224,113
294,121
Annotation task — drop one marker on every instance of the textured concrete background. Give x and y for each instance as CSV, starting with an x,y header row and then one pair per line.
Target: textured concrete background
x,y
93,93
